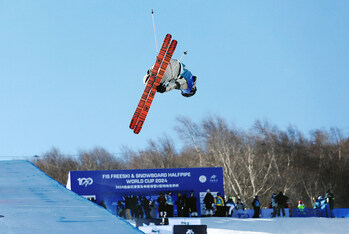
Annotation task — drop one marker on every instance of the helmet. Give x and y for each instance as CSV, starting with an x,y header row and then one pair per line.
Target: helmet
x,y
300,202
192,92
193,89
194,79
319,197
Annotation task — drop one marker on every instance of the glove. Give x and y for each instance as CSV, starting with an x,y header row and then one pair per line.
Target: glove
x,y
161,88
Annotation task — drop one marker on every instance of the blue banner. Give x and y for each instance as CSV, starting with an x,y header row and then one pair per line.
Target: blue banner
x,y
110,186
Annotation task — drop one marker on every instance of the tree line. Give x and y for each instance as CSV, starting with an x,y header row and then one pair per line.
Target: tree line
x,y
257,161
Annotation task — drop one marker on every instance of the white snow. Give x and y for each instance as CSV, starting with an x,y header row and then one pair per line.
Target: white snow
x,y
31,202
217,225
276,225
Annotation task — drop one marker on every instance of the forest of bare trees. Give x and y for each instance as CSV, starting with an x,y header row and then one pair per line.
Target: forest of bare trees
x,y
260,160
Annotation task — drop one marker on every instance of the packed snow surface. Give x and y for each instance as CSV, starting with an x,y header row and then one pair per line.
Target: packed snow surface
x,y
216,225
31,202
276,225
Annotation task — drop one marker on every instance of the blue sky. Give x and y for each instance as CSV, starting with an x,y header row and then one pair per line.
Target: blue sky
x,y
71,71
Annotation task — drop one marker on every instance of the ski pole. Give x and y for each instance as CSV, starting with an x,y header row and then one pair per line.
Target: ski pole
x,y
156,42
184,53
179,61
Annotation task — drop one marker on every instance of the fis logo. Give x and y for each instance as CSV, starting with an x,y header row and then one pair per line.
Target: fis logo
x,y
213,179
85,181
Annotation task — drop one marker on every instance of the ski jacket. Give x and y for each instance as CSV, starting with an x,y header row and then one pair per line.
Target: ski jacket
x,y
240,206
301,207
186,74
179,202
162,202
176,76
178,72
281,200
256,204
230,203
169,200
317,204
127,202
273,201
330,198
219,201
191,202
323,203
208,200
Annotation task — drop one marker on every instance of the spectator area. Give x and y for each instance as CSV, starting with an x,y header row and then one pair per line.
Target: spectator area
x,y
32,202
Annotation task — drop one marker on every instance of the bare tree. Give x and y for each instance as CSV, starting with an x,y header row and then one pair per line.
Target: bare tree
x,y
56,165
190,132
98,159
161,154
259,161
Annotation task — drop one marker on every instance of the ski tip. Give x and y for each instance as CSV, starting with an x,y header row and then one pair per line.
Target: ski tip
x,y
138,127
133,122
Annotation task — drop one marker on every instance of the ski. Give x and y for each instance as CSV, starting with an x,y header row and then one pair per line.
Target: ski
x,y
145,110
151,80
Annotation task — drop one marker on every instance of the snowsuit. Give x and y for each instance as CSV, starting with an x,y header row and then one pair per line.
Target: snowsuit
x,y
324,206
301,209
256,207
120,209
282,203
180,205
274,205
209,200
185,208
133,205
330,201
317,204
146,207
139,208
240,206
176,76
169,205
128,207
191,203
162,205
219,206
152,210
229,207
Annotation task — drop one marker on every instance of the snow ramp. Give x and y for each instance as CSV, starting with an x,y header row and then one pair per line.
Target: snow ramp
x,y
32,202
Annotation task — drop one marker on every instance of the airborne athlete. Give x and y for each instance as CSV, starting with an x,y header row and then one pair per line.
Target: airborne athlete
x,y
176,76
165,75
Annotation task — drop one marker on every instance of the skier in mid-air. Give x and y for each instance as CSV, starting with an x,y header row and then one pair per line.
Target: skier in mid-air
x,y
165,75
176,76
